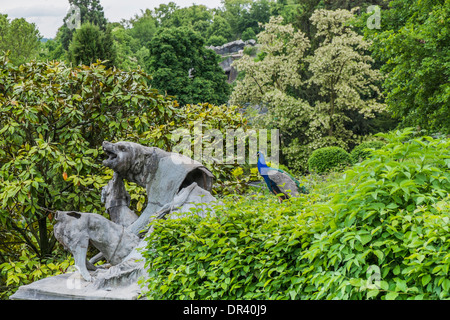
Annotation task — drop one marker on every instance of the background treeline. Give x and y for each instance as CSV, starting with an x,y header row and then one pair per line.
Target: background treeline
x,y
235,19
410,48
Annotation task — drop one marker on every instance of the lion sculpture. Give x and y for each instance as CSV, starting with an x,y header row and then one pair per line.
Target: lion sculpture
x,y
173,182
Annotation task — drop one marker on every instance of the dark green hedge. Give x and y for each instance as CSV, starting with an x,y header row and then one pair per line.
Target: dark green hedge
x,y
325,159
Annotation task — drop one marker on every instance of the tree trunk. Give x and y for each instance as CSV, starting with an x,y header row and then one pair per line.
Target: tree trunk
x,y
43,236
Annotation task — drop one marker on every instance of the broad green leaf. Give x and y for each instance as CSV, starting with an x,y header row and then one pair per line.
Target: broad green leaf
x,y
391,296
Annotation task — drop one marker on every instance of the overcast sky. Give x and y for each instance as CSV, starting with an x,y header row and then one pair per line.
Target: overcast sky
x,y
48,14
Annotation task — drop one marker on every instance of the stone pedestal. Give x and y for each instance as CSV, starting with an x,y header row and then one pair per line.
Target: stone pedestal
x,y
71,286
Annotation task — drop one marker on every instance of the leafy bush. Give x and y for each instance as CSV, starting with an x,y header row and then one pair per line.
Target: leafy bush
x,y
325,159
27,269
53,120
383,236
393,218
216,41
243,252
360,152
248,34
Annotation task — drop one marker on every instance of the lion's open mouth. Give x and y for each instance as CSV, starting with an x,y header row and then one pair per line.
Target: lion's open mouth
x,y
111,155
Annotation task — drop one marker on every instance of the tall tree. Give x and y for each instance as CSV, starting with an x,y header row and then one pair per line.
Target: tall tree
x,y
143,27
182,66
90,11
270,82
343,72
89,43
305,8
220,27
244,14
130,54
19,37
189,16
340,69
163,14
196,17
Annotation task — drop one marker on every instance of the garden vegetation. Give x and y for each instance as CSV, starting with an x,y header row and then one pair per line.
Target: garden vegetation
x,y
363,120
383,233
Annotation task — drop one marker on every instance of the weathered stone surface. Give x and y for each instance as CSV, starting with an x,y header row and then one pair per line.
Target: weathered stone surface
x,y
163,174
117,201
230,52
75,230
71,286
232,47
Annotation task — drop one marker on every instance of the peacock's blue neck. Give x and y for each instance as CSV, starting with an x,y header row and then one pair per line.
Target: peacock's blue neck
x,y
262,165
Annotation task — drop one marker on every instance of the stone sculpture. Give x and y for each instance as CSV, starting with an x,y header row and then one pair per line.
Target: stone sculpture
x,y
75,230
163,174
117,202
174,183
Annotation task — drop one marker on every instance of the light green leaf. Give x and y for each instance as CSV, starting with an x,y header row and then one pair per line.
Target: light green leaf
x,y
426,279
391,296
372,293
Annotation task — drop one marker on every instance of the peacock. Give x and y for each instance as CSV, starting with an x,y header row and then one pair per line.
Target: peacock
x,y
279,182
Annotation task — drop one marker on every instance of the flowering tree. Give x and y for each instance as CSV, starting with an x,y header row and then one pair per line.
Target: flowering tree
x,y
339,68
343,73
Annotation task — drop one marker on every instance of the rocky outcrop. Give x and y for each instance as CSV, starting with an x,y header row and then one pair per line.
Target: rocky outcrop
x,y
230,52
233,47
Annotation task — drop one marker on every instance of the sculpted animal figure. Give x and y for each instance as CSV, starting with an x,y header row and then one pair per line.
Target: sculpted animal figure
x,y
117,201
172,181
163,174
75,230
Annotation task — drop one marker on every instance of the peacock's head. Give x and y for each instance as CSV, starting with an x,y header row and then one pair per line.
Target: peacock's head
x,y
260,156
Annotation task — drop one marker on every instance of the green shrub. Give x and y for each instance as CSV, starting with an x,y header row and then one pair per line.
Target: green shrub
x,y
359,153
325,159
216,41
248,34
392,220
384,236
29,268
53,120
243,252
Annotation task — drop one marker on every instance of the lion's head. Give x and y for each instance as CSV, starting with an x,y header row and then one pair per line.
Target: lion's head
x,y
131,160
120,156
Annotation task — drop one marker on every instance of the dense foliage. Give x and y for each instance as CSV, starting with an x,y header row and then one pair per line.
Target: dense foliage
x,y
363,151
182,66
19,37
90,43
414,47
383,234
